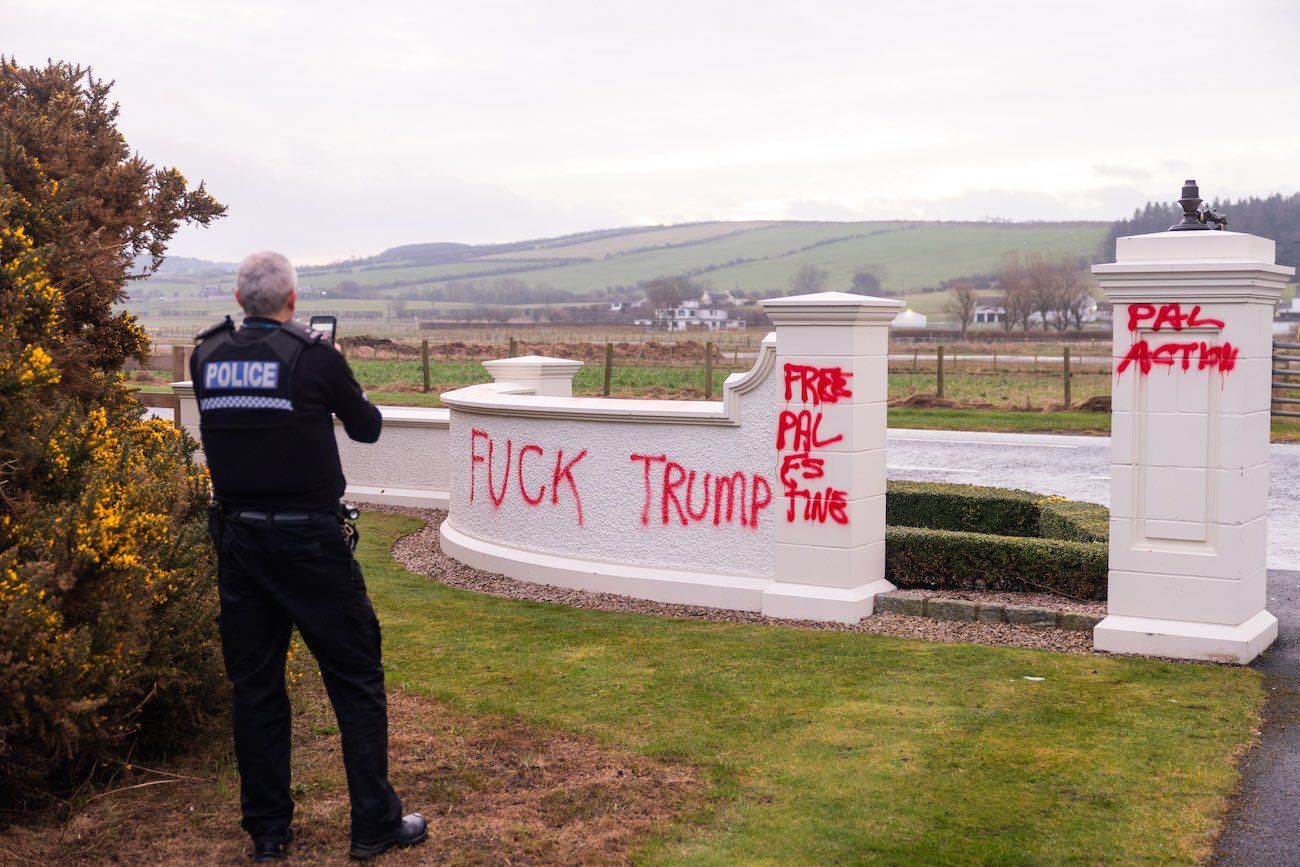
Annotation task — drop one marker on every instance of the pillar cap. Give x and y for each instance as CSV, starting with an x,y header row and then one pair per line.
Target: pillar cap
x,y
532,367
831,308
1195,247
1204,267
546,376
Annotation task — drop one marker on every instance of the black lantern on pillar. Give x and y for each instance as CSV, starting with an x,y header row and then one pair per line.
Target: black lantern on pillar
x,y
1197,216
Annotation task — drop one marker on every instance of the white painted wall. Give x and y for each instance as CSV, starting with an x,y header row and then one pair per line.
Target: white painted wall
x,y
406,467
611,485
647,476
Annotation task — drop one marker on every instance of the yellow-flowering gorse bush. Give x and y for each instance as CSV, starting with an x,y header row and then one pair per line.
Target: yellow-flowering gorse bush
x,y
107,605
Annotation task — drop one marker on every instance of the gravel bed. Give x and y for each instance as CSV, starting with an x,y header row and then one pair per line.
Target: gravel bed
x,y
421,553
996,597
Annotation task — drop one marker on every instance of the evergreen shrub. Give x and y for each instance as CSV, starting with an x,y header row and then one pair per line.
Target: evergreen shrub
x,y
107,635
965,537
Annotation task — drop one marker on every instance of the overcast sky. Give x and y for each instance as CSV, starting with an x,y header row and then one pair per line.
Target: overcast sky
x,y
338,129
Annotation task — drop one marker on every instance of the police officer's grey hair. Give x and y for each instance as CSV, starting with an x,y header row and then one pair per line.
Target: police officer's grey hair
x,y
265,280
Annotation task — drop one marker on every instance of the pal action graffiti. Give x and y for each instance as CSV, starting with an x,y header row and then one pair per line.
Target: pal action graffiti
x,y
798,436
1220,357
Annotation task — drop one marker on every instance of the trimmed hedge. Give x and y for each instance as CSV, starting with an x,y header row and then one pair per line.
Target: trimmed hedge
x,y
965,537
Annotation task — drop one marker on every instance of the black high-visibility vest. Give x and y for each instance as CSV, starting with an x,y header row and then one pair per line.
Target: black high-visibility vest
x,y
260,446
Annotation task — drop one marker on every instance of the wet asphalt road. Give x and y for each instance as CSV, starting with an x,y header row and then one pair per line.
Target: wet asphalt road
x,y
1077,467
1264,824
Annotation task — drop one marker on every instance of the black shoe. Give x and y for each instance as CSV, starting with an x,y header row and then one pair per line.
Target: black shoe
x,y
412,832
271,848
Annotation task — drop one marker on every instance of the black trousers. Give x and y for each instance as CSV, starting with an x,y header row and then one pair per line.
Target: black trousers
x,y
271,577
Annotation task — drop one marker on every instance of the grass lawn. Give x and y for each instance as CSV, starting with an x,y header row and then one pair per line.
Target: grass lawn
x,y
1014,387
826,747
677,382
1011,421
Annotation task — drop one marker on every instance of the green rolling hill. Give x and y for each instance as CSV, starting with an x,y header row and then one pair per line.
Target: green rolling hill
x,y
754,257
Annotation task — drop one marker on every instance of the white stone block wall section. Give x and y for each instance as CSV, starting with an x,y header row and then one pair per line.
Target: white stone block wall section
x,y
770,500
1190,430
407,467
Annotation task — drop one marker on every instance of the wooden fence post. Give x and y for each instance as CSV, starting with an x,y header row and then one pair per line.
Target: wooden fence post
x,y
1065,358
514,347
178,363
424,362
939,357
708,370
609,366
180,372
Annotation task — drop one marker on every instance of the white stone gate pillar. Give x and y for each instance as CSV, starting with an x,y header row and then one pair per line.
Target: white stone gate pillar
x,y
1193,315
832,373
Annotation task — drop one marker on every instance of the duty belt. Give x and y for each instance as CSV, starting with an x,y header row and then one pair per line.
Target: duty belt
x,y
262,516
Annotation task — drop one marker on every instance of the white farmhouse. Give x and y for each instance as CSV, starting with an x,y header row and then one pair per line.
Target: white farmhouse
x,y
692,314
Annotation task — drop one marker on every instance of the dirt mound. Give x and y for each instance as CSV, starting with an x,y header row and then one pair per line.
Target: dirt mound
x,y
923,401
685,353
362,346
1097,403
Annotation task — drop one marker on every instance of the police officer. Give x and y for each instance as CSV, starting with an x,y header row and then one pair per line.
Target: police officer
x,y
266,393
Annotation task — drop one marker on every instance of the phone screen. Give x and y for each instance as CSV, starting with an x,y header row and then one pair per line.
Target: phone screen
x,y
324,324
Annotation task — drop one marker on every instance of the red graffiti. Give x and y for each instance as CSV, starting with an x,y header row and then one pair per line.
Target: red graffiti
x,y
685,496
1168,314
541,492
563,472
803,427
800,431
1222,358
819,505
817,385
800,467
505,478
799,462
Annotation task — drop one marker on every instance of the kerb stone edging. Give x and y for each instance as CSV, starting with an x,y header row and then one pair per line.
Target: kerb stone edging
x,y
938,608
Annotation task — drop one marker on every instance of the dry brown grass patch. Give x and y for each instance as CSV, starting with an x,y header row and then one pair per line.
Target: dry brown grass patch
x,y
494,791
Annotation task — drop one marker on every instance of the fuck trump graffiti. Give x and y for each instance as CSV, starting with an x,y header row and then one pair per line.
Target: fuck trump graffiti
x,y
799,436
1176,349
674,493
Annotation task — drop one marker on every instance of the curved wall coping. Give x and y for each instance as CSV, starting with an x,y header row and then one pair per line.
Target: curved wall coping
x,y
509,398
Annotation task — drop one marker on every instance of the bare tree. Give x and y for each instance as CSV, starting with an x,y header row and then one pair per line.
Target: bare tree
x,y
961,306
665,293
1073,293
809,278
1017,294
1043,286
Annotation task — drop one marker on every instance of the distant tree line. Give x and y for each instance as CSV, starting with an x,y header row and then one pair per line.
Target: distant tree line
x,y
1276,217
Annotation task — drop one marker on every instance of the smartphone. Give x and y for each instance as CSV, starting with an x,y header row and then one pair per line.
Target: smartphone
x,y
327,325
